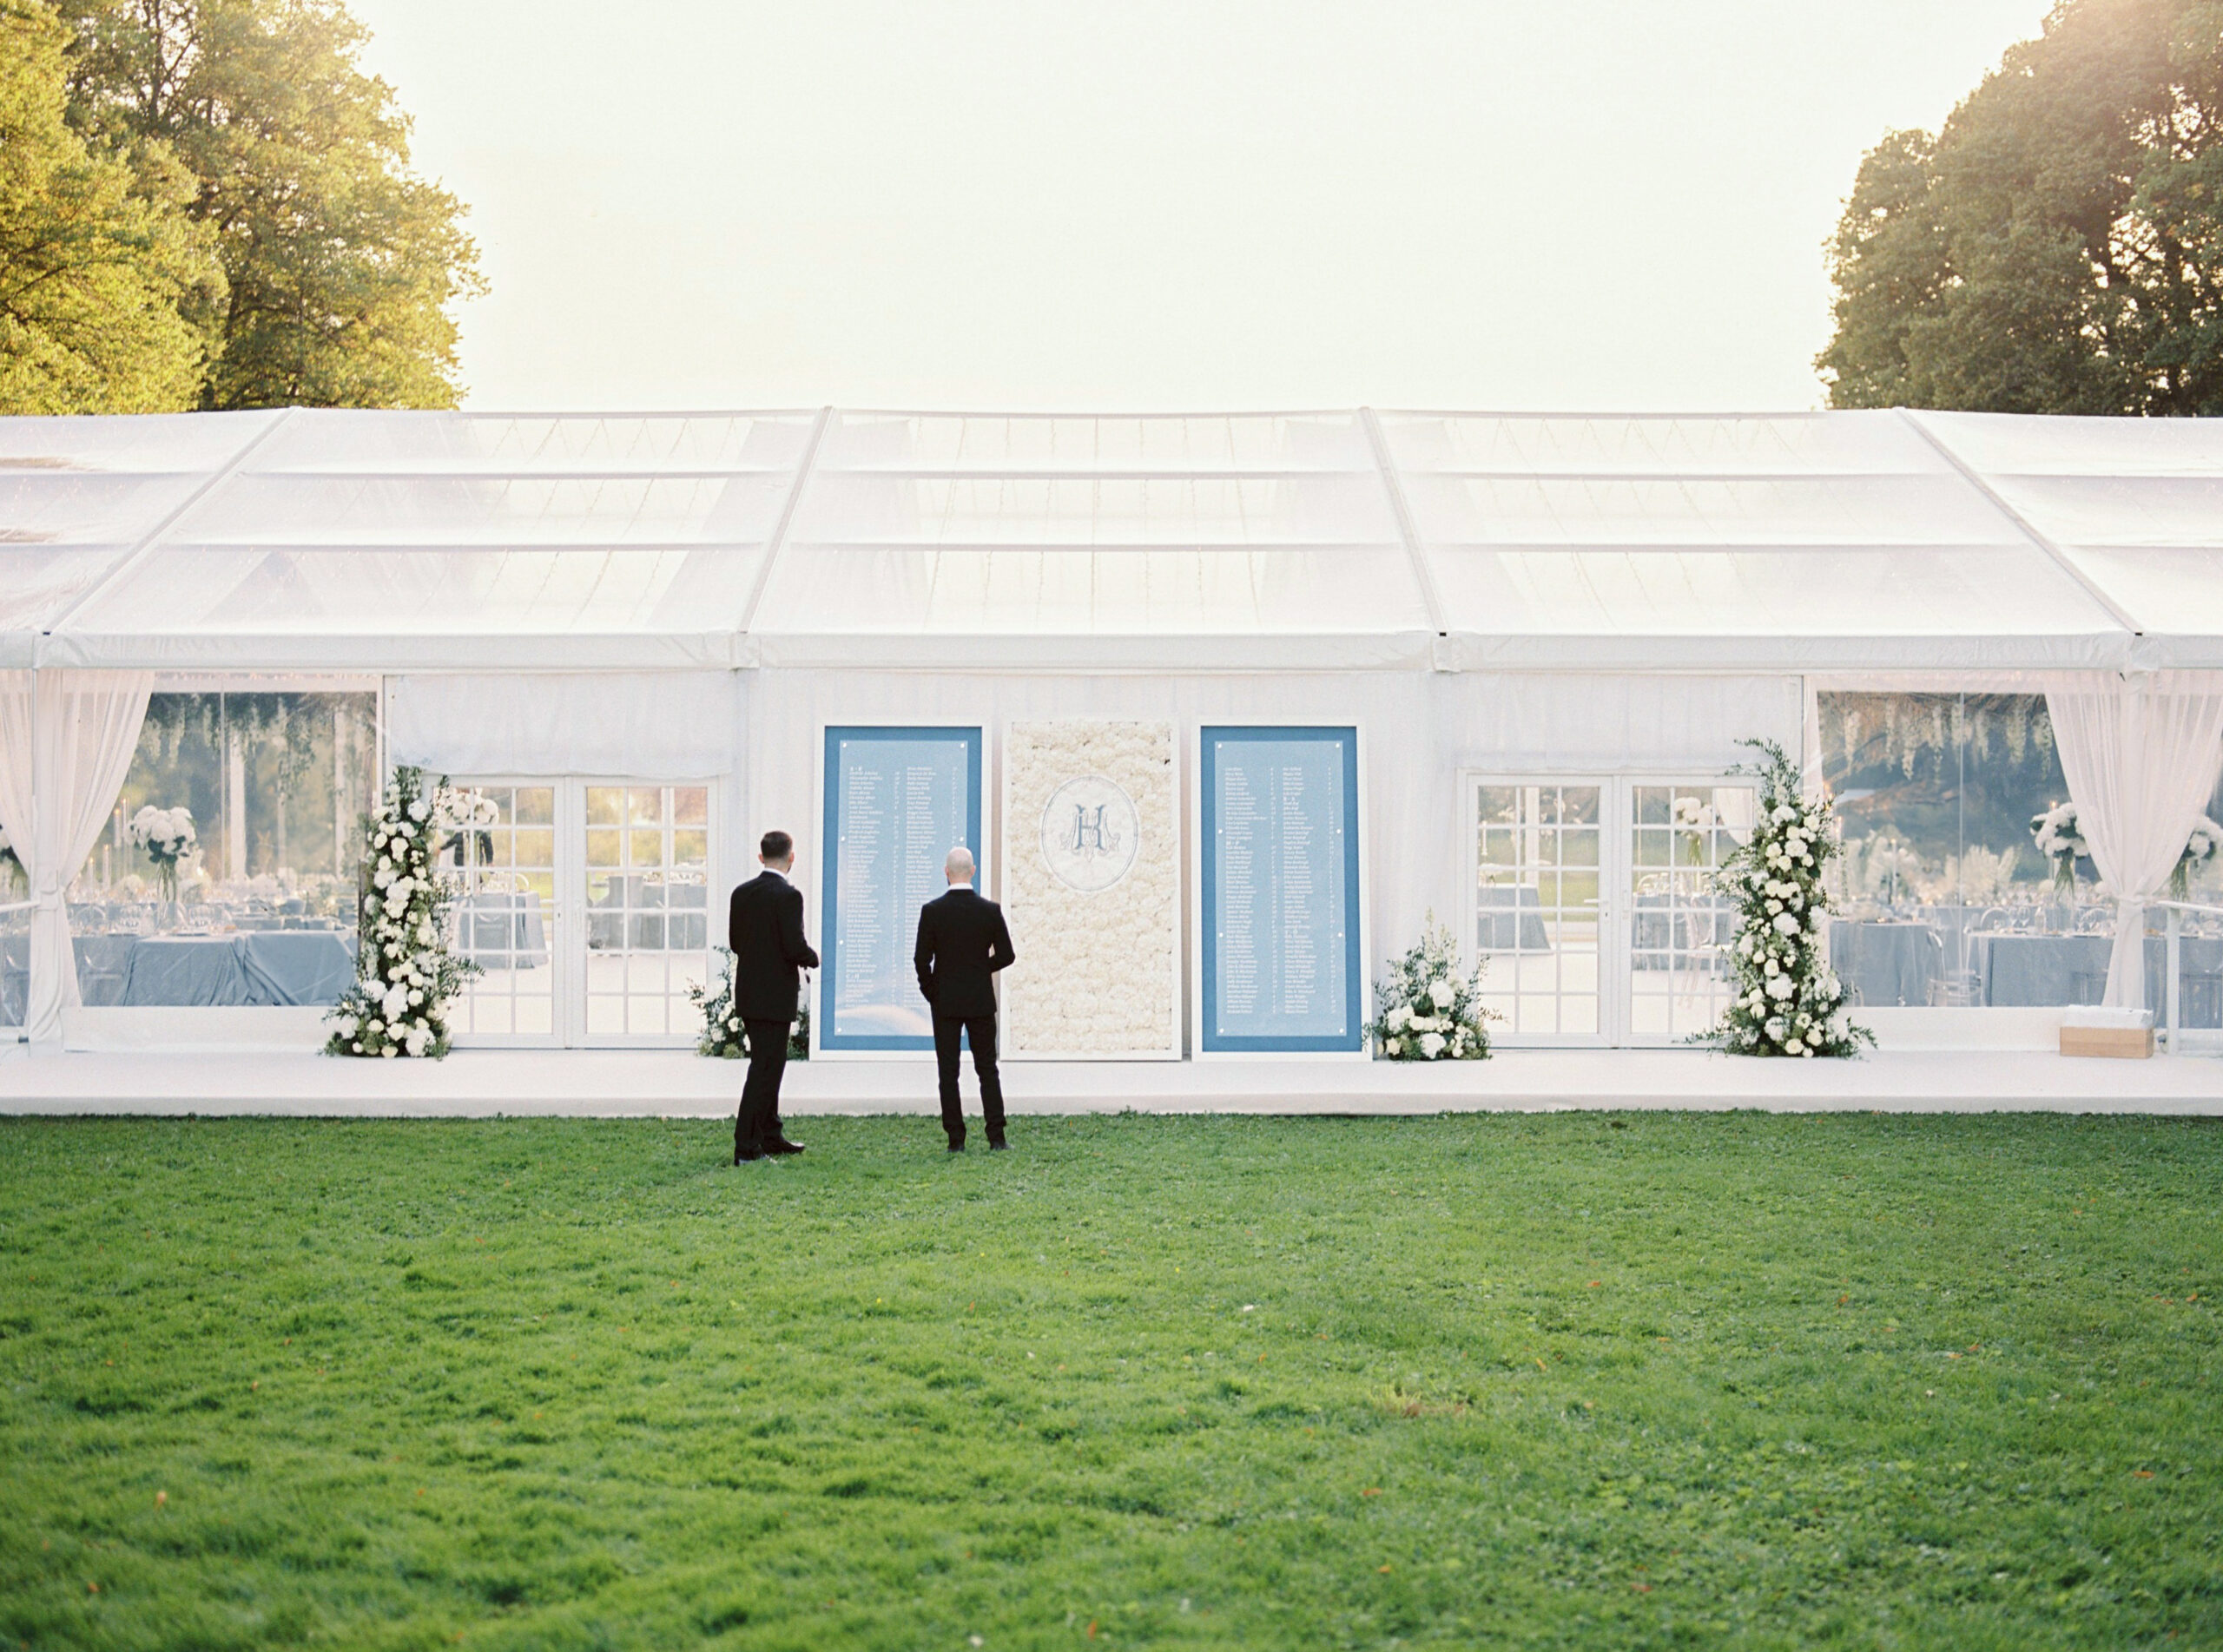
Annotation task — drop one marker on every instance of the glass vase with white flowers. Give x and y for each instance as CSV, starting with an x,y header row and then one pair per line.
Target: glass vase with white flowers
x,y
165,837
2202,845
406,971
1429,1009
2060,843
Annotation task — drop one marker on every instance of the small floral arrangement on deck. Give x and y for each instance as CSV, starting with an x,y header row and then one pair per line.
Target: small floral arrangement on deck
x,y
1434,1012
723,1035
2059,842
2201,846
406,972
165,837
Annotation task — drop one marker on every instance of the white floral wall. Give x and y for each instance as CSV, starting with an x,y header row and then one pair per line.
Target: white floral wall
x,y
1095,974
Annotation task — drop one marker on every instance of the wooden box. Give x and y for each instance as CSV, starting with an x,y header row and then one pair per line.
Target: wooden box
x,y
2129,1044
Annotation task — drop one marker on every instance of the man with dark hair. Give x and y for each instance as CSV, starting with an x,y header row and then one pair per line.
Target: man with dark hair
x,y
962,942
764,929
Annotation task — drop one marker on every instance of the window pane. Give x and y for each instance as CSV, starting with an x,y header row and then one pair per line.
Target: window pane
x,y
274,787
1941,895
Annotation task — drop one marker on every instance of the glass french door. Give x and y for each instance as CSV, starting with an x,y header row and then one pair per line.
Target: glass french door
x,y
586,904
1593,905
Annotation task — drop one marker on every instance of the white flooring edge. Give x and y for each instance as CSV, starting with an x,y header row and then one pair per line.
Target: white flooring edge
x,y
673,1084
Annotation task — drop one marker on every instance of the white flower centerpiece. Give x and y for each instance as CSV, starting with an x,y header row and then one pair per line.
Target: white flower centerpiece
x,y
165,837
1430,1010
2059,842
406,974
2202,845
723,1035
1786,1000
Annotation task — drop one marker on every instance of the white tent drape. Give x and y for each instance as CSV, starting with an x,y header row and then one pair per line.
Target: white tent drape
x,y
2141,754
66,743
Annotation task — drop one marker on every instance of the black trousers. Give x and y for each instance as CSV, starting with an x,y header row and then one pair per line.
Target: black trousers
x,y
981,1031
758,1122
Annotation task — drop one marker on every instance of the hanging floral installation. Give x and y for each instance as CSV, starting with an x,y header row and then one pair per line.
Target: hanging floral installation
x,y
1430,1010
406,974
1786,1000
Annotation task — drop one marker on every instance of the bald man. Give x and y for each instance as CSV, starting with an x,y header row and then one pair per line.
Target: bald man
x,y
962,942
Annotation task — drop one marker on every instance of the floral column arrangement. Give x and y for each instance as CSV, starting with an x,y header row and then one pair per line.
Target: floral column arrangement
x,y
406,973
1787,1000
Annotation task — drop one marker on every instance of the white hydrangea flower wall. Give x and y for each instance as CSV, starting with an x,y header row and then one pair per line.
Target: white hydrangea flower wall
x,y
1096,971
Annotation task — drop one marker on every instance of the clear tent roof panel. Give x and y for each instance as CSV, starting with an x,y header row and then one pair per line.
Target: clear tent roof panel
x,y
1019,525
402,538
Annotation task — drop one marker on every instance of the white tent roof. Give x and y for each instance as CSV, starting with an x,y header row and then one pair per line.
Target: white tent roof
x,y
315,539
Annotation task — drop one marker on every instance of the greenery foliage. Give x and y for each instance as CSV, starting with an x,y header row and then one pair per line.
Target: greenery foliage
x,y
1785,999
2057,245
240,191
724,1035
100,262
1431,1010
406,972
1546,1381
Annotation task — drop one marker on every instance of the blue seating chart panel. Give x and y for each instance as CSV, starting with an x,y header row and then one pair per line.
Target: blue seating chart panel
x,y
897,801
1282,970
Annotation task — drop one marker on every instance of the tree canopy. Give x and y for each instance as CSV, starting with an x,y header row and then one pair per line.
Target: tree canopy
x,y
98,263
2057,245
247,132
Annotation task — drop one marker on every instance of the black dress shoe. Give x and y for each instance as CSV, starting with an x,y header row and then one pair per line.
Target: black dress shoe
x,y
999,1147
957,1147
748,1155
779,1146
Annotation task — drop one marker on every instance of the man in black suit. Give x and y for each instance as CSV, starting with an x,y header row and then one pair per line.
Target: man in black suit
x,y
962,942
764,929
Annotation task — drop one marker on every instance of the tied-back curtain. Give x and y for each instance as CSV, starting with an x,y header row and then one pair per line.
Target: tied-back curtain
x,y
2141,754
67,739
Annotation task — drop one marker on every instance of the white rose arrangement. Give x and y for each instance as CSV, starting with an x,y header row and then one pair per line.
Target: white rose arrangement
x,y
406,972
165,837
1430,1010
1786,1000
723,1035
2059,842
2202,845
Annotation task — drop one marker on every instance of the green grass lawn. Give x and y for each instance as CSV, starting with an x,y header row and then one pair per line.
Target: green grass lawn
x,y
1571,1380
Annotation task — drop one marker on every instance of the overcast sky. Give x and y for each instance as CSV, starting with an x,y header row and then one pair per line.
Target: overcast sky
x,y
1176,204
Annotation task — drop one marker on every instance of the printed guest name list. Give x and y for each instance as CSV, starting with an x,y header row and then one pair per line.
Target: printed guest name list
x,y
900,799
1281,900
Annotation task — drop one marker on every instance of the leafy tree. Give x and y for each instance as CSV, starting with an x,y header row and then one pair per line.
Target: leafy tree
x,y
341,263
2057,248
96,260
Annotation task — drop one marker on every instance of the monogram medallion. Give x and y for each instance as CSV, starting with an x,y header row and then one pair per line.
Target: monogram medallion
x,y
1089,833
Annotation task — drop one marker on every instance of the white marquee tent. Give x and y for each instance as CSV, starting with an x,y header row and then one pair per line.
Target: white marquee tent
x,y
661,594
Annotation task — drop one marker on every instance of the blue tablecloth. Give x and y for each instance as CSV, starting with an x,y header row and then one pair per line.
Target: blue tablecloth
x,y
1886,963
2046,970
502,931
631,916
1683,932
1509,918
265,967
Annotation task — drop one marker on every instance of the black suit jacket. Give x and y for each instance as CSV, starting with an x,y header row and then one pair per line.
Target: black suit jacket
x,y
764,928
962,942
